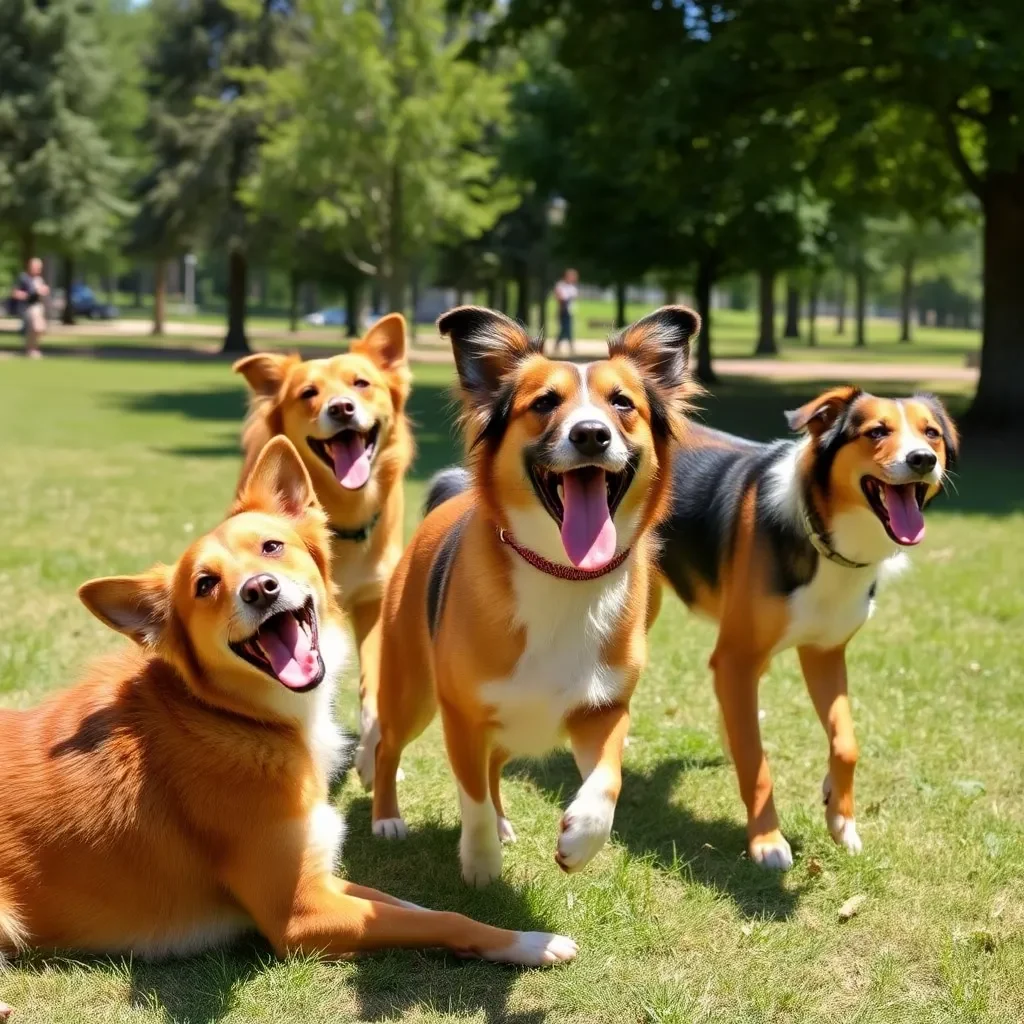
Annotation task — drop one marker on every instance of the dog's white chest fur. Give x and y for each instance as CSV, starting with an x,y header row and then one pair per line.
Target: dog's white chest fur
x,y
358,572
566,625
831,608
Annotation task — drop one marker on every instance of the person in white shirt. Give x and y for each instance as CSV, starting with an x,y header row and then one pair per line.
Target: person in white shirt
x,y
565,295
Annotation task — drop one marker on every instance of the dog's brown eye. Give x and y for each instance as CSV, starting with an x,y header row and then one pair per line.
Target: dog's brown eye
x,y
309,392
877,433
546,403
360,383
205,584
622,402
931,433
273,547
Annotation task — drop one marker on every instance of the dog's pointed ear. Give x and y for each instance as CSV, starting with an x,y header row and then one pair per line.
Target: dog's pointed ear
x,y
660,344
137,606
487,346
950,435
817,415
265,372
278,483
385,343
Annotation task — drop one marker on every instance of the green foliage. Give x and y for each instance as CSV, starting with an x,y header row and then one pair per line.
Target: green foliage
x,y
382,136
59,173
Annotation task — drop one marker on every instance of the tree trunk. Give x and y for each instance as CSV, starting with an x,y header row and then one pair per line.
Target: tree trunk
x,y
375,296
67,279
137,278
523,293
792,329
999,402
812,311
542,298
766,305
860,283
702,296
620,305
841,306
394,288
159,298
238,284
294,284
906,298
352,297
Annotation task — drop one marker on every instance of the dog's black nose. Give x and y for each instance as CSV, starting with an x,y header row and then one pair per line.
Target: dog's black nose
x,y
921,460
591,437
341,409
261,591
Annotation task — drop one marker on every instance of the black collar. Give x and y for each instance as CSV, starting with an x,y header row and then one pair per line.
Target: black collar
x,y
357,534
820,541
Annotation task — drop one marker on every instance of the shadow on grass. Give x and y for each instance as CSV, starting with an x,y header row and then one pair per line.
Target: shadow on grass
x,y
709,852
204,989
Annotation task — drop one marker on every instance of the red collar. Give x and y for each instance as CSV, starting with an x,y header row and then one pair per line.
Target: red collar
x,y
562,572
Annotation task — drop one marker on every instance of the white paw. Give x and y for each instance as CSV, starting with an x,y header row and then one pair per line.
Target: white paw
x,y
844,832
366,753
480,856
585,828
535,949
390,828
506,833
773,853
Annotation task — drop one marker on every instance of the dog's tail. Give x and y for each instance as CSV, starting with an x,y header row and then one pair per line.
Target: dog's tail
x,y
449,483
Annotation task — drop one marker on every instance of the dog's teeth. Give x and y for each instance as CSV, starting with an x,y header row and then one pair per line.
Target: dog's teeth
x,y
560,491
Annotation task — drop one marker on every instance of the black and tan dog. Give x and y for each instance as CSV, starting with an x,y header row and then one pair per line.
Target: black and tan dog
x,y
783,544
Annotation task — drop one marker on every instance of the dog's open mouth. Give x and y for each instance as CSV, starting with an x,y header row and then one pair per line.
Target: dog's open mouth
x,y
898,507
349,454
583,503
287,648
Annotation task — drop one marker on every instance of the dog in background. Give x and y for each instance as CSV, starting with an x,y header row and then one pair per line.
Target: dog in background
x,y
783,545
346,418
519,606
177,796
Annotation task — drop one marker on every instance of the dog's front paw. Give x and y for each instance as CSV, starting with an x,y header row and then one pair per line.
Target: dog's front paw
x,y
390,828
481,861
585,828
771,851
534,949
506,833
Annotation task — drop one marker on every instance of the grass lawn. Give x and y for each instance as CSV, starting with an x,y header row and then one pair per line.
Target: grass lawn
x,y
109,466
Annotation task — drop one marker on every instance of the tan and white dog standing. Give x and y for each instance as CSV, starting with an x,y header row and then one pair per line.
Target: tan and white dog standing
x,y
346,417
519,607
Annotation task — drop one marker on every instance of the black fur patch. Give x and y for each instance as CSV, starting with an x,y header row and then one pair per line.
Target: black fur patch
x,y
448,483
938,410
440,570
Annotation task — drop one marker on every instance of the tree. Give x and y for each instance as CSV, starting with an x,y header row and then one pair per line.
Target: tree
x,y
392,132
59,175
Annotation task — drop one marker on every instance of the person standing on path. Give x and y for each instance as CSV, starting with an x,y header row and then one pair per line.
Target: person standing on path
x,y
565,296
30,291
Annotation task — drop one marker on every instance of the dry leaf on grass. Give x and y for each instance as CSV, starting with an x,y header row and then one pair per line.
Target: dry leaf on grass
x,y
851,906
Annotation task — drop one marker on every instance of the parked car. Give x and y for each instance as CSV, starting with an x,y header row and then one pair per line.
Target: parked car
x,y
84,303
332,317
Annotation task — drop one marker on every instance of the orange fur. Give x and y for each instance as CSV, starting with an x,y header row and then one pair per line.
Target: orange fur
x,y
177,794
290,398
487,665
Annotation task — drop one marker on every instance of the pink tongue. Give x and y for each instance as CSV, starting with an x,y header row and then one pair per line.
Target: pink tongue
x,y
351,460
290,652
588,533
905,519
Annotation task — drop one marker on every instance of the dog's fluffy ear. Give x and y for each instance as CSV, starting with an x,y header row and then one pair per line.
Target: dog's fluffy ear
x,y
137,606
950,435
817,415
278,483
487,346
385,342
265,372
660,343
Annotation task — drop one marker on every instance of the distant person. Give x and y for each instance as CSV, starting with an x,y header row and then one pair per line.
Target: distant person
x,y
565,295
30,291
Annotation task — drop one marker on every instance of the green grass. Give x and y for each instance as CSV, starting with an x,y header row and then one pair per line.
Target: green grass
x,y
109,466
